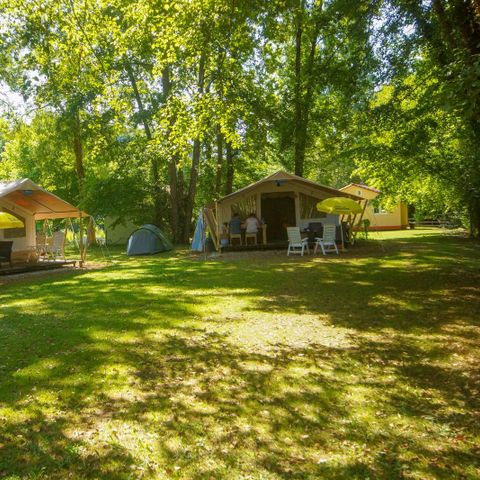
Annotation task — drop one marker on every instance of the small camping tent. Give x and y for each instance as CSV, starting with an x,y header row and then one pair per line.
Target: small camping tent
x,y
147,240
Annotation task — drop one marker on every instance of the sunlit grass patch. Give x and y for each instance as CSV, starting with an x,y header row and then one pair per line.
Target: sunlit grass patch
x,y
361,366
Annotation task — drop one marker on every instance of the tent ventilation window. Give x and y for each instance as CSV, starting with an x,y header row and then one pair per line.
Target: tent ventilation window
x,y
245,206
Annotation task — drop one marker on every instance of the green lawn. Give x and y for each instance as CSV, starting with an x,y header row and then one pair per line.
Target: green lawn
x,y
363,366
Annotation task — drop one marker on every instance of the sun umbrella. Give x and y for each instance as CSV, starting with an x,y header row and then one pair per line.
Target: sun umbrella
x,y
339,206
9,221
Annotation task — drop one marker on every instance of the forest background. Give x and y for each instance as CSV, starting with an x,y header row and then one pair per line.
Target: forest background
x,y
148,110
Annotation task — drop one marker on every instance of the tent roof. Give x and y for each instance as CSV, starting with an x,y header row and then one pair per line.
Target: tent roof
x,y
284,176
148,226
32,198
360,185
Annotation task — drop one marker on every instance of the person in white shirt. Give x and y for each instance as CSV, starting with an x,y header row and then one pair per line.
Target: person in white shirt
x,y
252,224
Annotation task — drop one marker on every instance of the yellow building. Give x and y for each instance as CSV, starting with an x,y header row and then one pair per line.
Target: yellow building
x,y
381,218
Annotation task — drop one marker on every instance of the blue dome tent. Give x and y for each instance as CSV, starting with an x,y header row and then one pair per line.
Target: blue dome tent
x,y
148,240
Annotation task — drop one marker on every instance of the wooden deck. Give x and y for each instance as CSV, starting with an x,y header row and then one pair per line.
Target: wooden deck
x,y
258,246
35,267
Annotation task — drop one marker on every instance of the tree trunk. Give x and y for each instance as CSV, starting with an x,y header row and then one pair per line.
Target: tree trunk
x,y
309,80
174,203
230,169
80,168
91,234
172,170
156,186
299,147
219,170
474,214
78,150
192,187
208,149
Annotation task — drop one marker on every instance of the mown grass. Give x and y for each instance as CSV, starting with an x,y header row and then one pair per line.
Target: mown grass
x,y
250,366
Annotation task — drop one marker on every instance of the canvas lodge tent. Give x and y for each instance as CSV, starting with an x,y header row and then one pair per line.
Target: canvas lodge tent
x,y
29,202
278,200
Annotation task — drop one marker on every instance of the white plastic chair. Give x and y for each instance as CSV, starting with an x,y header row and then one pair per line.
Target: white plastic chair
x,y
295,242
57,248
327,242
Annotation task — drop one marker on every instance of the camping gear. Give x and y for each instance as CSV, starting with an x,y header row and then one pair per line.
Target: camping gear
x,y
148,240
327,241
339,206
6,252
198,241
295,242
9,221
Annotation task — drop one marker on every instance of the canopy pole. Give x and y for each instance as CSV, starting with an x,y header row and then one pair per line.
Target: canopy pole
x,y
80,240
85,248
341,234
204,235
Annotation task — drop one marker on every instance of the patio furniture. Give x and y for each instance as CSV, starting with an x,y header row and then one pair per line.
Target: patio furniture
x,y
6,252
340,206
57,247
236,236
327,241
264,233
41,245
31,254
252,236
296,244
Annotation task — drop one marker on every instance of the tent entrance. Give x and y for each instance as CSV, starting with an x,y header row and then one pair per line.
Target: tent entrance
x,y
278,212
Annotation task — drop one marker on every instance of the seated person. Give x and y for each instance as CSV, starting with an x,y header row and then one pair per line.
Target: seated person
x,y
224,235
252,224
235,225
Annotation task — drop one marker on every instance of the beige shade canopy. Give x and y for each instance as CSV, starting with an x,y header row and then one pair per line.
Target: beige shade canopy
x,y
30,197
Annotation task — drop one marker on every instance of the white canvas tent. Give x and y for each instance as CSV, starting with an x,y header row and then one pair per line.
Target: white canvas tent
x,y
279,199
29,202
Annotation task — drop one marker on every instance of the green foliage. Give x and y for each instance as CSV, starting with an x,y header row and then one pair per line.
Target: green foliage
x,y
173,104
366,226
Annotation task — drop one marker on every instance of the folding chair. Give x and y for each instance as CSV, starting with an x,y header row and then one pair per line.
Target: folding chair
x,y
327,241
295,242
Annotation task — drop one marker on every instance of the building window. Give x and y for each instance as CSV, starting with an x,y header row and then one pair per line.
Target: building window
x,y
379,210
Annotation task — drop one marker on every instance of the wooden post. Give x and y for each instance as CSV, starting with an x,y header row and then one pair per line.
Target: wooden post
x,y
219,226
80,241
354,232
85,248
